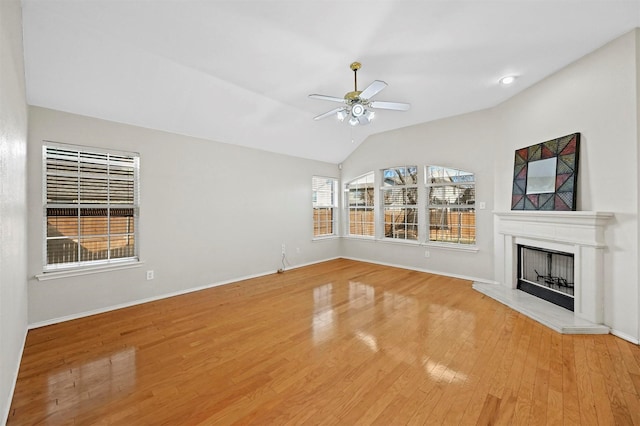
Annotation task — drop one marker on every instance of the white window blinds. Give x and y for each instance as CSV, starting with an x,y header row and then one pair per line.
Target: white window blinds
x,y
91,206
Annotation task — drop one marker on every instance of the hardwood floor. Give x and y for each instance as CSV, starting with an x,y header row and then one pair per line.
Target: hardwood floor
x,y
341,342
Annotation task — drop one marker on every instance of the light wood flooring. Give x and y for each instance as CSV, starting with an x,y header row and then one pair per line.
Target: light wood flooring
x,y
341,342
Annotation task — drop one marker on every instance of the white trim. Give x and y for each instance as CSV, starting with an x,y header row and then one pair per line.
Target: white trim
x,y
625,336
428,271
471,248
452,246
160,297
5,414
325,238
54,275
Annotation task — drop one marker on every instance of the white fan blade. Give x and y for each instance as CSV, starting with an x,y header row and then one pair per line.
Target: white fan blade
x,y
398,106
328,113
373,89
326,98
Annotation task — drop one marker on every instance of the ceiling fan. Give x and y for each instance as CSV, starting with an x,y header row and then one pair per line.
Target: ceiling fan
x,y
358,104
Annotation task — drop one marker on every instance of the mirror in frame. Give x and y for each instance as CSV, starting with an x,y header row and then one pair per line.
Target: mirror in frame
x,y
545,175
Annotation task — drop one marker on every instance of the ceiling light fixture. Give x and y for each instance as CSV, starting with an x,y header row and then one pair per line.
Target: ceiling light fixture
x,y
507,80
358,104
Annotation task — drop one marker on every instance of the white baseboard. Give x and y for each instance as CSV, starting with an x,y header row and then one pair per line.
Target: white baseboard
x,y
625,336
428,271
162,296
5,414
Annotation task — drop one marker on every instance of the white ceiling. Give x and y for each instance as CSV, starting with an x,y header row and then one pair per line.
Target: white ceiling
x,y
240,71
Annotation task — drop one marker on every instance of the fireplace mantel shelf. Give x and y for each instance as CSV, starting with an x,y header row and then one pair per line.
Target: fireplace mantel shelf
x,y
583,228
588,218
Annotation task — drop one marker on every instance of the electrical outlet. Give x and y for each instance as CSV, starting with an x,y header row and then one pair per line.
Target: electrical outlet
x,y
283,249
149,275
482,205
427,254
297,250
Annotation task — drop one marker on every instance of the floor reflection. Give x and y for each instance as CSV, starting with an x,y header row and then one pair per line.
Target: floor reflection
x,y
93,380
442,373
324,316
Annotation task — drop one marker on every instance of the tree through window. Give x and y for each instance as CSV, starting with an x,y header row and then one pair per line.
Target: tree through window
x,y
400,202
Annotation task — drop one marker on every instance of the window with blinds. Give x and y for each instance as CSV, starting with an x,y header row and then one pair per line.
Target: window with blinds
x,y
400,202
451,198
91,206
324,206
360,197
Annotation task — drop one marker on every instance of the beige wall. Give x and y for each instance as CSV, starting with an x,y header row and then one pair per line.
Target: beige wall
x,y
210,213
13,248
596,96
465,142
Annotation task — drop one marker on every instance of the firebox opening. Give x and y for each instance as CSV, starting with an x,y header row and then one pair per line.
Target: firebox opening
x,y
547,274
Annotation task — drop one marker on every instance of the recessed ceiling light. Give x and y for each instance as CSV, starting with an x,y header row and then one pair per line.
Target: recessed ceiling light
x,y
507,80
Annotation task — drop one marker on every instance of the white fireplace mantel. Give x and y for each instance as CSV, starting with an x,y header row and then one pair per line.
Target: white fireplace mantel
x,y
578,232
581,228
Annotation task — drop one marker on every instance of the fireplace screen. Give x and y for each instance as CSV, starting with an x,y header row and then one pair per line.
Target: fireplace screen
x,y
547,274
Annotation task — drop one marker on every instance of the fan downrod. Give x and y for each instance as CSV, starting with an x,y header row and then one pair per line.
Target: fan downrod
x,y
355,95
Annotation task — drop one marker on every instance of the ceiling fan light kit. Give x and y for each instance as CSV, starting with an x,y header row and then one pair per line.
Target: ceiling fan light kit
x,y
358,103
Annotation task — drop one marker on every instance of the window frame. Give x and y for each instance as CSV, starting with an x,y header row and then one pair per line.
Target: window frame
x,y
447,206
81,266
416,207
332,206
365,207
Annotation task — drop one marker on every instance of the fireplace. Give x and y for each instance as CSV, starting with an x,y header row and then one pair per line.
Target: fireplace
x,y
547,274
557,239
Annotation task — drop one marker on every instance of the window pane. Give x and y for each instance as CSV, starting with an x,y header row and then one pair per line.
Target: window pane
x,y
121,224
62,223
437,174
401,223
62,189
323,221
62,250
122,246
361,222
94,190
407,175
454,225
94,222
400,196
452,194
121,191
94,248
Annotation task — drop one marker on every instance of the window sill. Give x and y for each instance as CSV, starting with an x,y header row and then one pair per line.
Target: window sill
x,y
444,246
359,237
54,275
452,246
325,238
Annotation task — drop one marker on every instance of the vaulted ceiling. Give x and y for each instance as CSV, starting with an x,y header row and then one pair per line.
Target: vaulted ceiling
x,y
240,71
